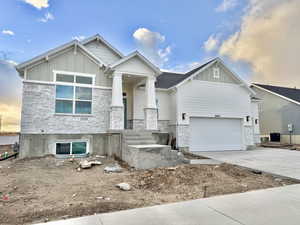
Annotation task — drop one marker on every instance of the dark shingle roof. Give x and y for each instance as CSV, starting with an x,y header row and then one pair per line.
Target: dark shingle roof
x,y
291,93
169,79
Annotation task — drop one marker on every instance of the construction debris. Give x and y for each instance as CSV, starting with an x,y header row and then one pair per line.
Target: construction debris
x,y
85,164
113,169
124,186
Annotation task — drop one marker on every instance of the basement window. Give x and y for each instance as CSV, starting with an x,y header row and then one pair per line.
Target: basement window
x,y
72,148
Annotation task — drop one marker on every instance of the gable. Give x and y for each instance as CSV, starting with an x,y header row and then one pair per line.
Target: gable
x,y
135,65
225,75
103,52
67,61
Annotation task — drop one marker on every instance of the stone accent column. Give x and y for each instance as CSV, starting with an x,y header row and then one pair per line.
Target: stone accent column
x,y
117,107
151,108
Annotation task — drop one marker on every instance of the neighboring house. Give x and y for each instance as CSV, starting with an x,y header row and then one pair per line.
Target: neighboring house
x,y
78,98
279,107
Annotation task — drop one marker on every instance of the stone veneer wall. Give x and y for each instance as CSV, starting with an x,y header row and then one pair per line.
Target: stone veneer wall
x,y
163,126
38,112
150,115
138,124
183,135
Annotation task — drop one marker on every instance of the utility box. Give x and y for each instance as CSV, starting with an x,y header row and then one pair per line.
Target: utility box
x,y
290,127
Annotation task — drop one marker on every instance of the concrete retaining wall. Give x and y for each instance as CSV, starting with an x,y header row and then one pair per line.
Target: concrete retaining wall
x,y
36,145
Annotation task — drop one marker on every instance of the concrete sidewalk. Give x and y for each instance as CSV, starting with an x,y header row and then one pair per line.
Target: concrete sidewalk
x,y
275,206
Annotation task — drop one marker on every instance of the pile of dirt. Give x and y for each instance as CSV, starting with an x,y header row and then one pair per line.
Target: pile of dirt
x,y
42,189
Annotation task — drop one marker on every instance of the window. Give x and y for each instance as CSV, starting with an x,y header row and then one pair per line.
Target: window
x,y
216,72
72,148
256,121
73,94
247,118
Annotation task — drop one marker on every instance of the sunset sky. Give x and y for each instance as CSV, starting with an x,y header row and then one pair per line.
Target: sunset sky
x,y
259,40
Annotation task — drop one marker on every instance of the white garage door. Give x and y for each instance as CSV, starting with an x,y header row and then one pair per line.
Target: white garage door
x,y
215,134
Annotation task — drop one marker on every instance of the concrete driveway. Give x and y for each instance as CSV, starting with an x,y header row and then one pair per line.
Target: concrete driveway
x,y
276,161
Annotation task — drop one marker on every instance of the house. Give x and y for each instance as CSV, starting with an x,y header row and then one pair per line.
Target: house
x,y
83,97
279,109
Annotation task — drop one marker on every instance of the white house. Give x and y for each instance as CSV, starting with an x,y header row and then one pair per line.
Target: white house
x,y
80,98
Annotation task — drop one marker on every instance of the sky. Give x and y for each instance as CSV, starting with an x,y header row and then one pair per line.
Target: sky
x,y
259,40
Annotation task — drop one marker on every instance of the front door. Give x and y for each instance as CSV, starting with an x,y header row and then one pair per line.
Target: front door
x,y
125,112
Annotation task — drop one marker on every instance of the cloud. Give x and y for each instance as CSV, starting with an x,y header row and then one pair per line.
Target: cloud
x,y
79,38
226,5
10,95
211,43
8,32
268,39
39,4
48,16
150,43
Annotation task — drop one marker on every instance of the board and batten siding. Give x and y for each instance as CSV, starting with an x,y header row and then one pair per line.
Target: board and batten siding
x,y
70,62
102,52
139,103
275,113
225,77
208,99
135,66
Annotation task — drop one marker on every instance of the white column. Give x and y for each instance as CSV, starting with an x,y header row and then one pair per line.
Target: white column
x,y
117,90
151,108
150,93
117,108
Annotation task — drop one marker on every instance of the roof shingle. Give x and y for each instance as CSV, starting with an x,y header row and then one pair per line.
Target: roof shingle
x,y
291,93
169,79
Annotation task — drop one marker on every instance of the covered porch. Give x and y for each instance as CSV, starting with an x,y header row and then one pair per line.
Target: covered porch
x,y
133,103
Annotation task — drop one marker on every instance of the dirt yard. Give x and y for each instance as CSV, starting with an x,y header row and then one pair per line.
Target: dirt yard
x,y
45,189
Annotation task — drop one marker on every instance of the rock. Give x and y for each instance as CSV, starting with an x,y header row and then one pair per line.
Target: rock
x,y
107,199
278,179
124,186
78,169
96,162
101,156
113,169
85,164
74,195
100,197
244,185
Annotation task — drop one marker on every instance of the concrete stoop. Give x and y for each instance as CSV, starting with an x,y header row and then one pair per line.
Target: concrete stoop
x,y
141,151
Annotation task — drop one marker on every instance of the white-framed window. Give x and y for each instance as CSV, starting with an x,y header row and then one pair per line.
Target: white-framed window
x,y
73,92
74,147
216,72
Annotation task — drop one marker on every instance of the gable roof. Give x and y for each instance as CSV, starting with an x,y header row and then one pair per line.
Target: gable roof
x,y
291,94
100,38
20,67
140,56
169,79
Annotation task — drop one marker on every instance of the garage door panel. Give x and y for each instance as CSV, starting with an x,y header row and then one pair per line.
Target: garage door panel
x,y
212,134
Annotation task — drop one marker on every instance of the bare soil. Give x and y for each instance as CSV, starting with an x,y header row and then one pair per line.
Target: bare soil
x,y
44,189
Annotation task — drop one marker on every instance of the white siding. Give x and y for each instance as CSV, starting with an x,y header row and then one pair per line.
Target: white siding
x,y
103,52
139,103
135,66
208,99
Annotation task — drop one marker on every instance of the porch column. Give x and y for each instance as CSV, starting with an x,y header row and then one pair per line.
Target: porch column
x,y
151,108
117,108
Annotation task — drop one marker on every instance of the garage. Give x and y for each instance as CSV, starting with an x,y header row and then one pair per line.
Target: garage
x,y
215,134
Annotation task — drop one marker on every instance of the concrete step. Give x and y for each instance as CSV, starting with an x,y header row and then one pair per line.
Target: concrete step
x,y
138,138
140,142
